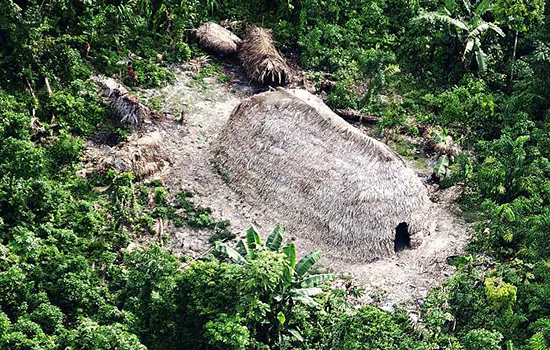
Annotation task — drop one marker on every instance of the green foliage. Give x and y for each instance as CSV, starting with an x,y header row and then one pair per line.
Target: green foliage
x,y
89,335
292,284
460,171
482,339
441,166
501,296
148,294
67,282
65,151
541,339
123,197
518,14
49,317
371,328
199,217
469,30
227,333
468,106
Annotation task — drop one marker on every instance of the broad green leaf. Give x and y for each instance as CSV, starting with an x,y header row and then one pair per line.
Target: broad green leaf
x,y
281,317
315,280
275,239
497,29
440,167
483,27
480,56
308,301
468,48
307,292
253,240
230,252
290,251
307,262
437,17
287,274
296,334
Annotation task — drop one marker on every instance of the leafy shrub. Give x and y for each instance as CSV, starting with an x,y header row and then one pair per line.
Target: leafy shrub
x,y
501,296
151,74
182,53
49,317
371,328
65,151
75,113
467,107
482,339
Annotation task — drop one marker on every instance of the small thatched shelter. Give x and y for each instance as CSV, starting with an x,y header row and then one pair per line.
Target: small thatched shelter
x,y
215,38
261,60
287,153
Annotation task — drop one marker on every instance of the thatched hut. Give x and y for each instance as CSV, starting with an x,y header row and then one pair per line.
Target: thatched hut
x,y
261,60
215,38
288,154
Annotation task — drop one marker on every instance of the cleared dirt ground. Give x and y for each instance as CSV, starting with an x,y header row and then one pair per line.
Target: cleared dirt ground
x,y
196,110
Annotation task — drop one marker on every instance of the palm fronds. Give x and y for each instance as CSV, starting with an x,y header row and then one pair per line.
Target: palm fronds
x,y
261,60
213,37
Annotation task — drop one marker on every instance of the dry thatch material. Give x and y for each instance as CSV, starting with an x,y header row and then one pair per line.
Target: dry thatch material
x,y
261,60
213,37
143,157
289,154
127,106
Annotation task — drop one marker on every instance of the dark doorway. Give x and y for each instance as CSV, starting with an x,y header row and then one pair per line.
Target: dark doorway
x,y
402,237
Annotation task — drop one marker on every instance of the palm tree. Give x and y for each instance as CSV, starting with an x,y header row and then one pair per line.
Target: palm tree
x,y
471,28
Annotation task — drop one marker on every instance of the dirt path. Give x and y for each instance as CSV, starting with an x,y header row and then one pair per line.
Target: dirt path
x,y
411,274
205,105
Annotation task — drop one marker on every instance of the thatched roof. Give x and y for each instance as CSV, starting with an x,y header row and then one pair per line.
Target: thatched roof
x,y
289,154
213,37
261,60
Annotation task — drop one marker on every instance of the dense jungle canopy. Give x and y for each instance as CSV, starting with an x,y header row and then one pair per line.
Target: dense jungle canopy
x,y
476,72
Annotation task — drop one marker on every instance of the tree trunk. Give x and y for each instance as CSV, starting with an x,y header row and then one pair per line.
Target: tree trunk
x,y
513,59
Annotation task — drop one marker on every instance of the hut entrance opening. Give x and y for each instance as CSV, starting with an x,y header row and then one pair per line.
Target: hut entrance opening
x,y
402,237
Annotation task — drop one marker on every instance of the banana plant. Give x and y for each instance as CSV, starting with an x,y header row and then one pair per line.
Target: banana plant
x,y
299,284
297,275
470,28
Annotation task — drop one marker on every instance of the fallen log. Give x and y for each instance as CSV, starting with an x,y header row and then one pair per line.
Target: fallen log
x,y
213,37
356,116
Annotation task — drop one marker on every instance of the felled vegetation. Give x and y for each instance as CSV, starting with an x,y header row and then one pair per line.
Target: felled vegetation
x,y
143,157
213,37
126,106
